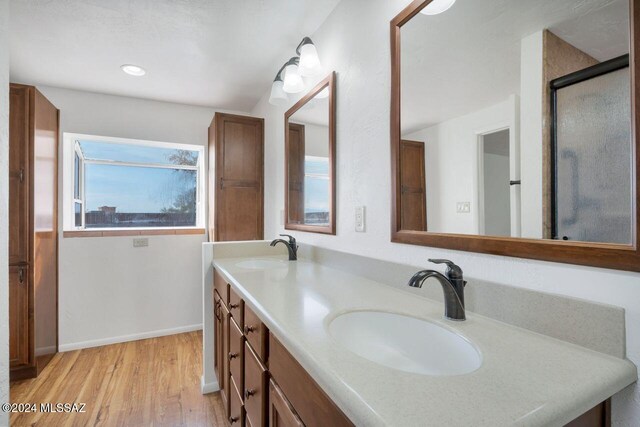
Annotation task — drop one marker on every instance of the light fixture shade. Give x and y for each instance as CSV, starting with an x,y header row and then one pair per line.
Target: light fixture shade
x,y
309,61
437,6
292,80
278,95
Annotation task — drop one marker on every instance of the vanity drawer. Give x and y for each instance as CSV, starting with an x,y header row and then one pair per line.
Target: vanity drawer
x,y
236,409
221,285
256,332
310,402
255,388
236,306
236,354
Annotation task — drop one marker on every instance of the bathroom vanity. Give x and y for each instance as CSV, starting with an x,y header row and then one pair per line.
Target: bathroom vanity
x,y
281,357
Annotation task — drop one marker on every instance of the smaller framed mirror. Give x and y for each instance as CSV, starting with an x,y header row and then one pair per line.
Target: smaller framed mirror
x,y
310,159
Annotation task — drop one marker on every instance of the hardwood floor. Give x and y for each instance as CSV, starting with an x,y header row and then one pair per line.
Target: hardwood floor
x,y
153,382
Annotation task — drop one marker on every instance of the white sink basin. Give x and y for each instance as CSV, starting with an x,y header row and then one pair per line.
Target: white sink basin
x,y
405,343
261,264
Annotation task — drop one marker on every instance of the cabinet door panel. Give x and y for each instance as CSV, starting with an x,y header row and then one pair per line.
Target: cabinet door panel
x,y
223,379
236,409
255,388
236,354
18,316
256,332
281,413
19,176
238,207
236,307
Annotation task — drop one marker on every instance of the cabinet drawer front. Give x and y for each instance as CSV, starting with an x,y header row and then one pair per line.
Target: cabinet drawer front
x,y
236,306
221,285
311,403
236,409
255,388
236,354
281,413
19,316
256,333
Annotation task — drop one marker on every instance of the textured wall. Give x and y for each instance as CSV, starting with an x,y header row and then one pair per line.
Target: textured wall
x,y
4,198
354,41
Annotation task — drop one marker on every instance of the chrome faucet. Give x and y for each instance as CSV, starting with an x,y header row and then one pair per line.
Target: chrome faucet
x,y
452,284
292,247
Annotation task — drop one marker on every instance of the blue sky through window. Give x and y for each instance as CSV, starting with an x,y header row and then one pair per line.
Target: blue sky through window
x,y
138,189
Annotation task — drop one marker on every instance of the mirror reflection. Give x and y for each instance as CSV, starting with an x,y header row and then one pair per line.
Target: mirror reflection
x,y
516,120
308,162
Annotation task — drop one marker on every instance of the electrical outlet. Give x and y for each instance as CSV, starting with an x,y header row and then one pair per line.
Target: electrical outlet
x,y
140,242
463,207
360,219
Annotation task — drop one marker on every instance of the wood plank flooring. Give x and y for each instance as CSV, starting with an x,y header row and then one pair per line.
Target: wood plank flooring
x,y
153,382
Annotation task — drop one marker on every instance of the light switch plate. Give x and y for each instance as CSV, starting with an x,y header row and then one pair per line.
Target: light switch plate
x,y
281,216
140,242
463,207
360,219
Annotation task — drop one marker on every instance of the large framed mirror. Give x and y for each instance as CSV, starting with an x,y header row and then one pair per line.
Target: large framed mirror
x,y
513,128
310,158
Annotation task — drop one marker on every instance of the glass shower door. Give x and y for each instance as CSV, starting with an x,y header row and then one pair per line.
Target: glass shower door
x,y
592,148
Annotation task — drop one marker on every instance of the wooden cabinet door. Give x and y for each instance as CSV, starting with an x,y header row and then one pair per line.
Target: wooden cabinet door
x,y
255,388
413,199
218,355
19,315
236,409
223,379
238,208
236,354
19,116
281,413
295,174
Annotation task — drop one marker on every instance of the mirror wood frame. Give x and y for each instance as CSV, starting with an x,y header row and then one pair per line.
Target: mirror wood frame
x,y
329,82
614,256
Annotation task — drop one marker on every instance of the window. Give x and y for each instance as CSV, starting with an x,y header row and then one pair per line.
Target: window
x,y
131,184
316,190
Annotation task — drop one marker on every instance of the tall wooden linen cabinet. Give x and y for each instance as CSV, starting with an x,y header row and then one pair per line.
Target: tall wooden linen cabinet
x,y
33,231
236,178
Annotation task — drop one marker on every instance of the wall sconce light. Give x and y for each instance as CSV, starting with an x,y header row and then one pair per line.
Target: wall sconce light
x,y
289,77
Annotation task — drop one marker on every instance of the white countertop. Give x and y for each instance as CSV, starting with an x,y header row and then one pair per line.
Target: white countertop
x,y
526,379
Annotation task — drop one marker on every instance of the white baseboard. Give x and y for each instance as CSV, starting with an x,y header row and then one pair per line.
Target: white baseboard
x,y
208,387
126,338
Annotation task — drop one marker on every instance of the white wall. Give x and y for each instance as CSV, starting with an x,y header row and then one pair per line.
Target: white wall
x,y
531,134
451,166
316,140
354,41
109,290
4,199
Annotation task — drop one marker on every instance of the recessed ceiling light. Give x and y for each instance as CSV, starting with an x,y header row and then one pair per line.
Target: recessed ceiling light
x,y
133,70
437,6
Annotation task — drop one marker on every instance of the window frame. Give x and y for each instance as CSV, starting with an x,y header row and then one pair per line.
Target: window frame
x,y
71,148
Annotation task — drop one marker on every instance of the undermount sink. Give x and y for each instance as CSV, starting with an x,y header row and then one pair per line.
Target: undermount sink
x,y
261,264
405,343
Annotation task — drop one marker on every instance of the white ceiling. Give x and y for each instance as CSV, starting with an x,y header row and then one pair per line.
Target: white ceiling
x,y
468,58
220,53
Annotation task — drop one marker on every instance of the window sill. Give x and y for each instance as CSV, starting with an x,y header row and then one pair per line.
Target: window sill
x,y
120,233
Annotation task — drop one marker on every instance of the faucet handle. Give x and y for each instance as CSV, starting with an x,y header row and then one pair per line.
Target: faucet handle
x,y
292,239
453,270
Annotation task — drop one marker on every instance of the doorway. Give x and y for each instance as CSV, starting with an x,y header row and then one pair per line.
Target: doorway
x,y
494,183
